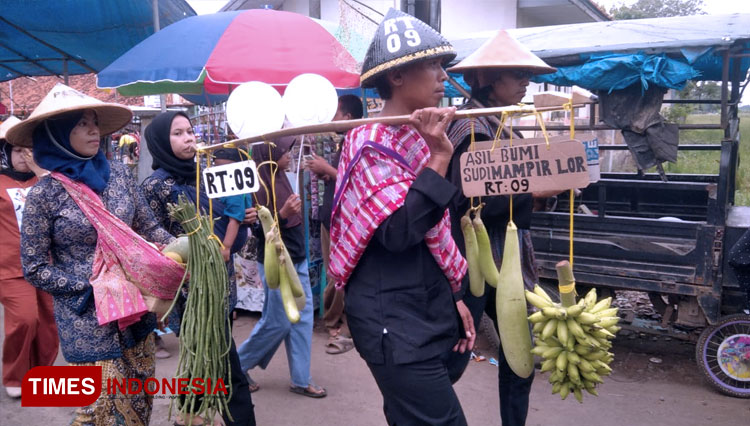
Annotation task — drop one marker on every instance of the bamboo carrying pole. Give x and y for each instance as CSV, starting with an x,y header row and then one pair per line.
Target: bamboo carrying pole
x,y
474,101
344,125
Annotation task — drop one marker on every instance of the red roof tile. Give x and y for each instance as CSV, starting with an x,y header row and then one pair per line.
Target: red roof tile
x,y
28,92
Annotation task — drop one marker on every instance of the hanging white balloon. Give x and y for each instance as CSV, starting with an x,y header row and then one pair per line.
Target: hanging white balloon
x,y
310,99
254,108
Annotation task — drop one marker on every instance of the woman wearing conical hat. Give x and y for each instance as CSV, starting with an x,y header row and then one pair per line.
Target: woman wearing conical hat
x,y
391,246
498,73
69,222
30,331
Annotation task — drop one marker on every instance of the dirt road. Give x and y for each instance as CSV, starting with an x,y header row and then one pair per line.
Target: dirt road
x,y
638,393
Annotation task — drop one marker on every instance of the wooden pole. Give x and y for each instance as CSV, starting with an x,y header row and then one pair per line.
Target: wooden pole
x,y
396,120
467,95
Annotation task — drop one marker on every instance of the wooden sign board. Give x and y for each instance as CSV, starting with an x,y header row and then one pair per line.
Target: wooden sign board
x,y
231,179
527,166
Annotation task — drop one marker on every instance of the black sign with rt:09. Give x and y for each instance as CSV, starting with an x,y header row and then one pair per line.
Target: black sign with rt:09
x,y
231,179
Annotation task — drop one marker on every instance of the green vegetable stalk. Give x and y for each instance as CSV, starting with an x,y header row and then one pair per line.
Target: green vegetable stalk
x,y
204,339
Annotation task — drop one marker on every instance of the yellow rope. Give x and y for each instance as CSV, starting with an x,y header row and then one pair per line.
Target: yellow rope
x,y
569,107
243,152
201,151
190,220
567,288
511,207
197,193
472,148
209,162
510,143
572,201
504,116
214,237
263,184
519,114
196,229
540,121
193,232
273,186
197,182
472,144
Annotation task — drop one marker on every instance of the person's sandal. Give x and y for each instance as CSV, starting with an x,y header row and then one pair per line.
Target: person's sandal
x,y
161,351
339,345
252,385
316,392
197,421
162,354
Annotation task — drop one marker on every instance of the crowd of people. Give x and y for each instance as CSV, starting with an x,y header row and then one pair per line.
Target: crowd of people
x,y
389,229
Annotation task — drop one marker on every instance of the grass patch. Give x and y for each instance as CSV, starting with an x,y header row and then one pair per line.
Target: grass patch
x,y
708,161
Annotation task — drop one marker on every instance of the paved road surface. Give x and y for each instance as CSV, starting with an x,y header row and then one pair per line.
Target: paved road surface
x,y
638,393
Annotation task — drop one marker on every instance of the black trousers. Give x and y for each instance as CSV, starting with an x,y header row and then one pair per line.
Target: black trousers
x,y
241,404
417,394
513,390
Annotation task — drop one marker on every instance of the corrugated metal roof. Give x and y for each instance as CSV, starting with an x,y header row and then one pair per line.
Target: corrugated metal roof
x,y
35,35
559,42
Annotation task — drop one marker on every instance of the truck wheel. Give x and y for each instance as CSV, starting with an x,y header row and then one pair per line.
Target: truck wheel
x,y
723,355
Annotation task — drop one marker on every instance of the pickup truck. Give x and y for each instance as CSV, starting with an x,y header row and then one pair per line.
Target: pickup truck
x,y
662,233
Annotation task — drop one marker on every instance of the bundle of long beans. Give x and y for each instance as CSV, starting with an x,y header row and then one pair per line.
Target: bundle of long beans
x,y
204,338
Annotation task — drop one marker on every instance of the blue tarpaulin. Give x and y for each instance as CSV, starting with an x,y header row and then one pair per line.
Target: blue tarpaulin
x,y
44,37
614,72
612,55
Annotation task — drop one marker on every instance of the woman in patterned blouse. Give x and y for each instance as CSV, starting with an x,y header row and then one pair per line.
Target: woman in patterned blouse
x,y
171,141
58,243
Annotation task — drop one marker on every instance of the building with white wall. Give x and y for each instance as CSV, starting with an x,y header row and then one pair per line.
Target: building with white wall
x,y
456,17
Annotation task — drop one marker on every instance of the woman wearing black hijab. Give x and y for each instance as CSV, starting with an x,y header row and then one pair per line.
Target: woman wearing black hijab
x,y
171,141
30,331
173,152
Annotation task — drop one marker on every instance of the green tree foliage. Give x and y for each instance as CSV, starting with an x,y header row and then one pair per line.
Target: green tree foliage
x,y
657,9
703,90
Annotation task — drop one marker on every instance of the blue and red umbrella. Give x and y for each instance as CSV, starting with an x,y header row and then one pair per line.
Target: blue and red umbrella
x,y
214,53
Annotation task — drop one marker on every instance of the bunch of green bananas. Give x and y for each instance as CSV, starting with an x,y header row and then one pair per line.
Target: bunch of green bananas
x,y
574,341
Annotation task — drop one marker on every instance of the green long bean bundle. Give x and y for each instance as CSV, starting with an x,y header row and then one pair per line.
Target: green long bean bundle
x,y
204,338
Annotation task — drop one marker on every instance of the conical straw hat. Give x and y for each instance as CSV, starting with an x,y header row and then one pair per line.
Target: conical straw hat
x,y
503,51
62,99
7,124
402,39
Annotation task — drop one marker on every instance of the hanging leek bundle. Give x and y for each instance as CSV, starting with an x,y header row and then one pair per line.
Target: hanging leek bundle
x,y
205,338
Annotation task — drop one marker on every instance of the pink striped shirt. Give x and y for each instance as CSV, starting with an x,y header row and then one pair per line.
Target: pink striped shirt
x,y
378,165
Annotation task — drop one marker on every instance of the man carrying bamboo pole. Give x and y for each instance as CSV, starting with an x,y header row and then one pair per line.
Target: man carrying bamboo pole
x,y
498,73
391,245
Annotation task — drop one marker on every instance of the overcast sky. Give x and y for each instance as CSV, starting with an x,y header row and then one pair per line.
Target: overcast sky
x,y
712,7
203,7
